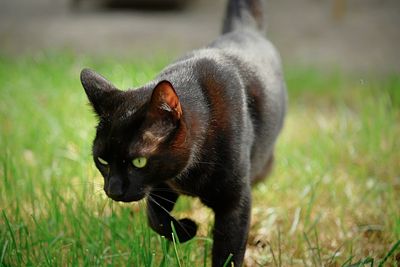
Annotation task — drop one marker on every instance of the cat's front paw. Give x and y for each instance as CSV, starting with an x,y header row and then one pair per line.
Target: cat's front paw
x,y
185,229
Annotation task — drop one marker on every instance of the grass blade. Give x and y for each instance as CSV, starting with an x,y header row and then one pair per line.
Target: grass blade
x,y
19,259
175,239
390,253
228,260
3,253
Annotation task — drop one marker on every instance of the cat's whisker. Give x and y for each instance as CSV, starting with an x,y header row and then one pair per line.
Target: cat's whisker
x,y
156,189
164,209
163,198
158,204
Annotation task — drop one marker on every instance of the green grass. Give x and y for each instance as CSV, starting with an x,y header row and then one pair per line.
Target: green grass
x,y
332,200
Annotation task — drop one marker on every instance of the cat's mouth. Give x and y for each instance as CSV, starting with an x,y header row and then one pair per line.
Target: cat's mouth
x,y
128,196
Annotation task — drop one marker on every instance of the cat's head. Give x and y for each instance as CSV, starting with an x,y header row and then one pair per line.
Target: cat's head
x,y
141,138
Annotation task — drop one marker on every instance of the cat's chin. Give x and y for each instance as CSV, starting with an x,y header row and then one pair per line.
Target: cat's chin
x,y
129,197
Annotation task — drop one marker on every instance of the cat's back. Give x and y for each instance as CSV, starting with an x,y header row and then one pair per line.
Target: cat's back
x,y
258,65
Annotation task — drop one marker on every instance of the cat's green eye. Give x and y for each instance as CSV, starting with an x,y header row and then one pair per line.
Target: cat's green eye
x,y
102,161
139,162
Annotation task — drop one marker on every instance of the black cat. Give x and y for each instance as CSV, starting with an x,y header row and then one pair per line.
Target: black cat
x,y
205,127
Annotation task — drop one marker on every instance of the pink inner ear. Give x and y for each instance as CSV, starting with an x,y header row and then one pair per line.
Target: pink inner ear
x,y
165,98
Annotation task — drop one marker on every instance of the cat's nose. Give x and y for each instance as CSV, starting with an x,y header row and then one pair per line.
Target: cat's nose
x,y
114,189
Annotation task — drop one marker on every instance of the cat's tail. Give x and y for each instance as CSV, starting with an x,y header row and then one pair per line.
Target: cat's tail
x,y
241,14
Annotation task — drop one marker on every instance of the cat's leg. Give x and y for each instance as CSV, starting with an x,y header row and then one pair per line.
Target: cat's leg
x,y
230,232
160,202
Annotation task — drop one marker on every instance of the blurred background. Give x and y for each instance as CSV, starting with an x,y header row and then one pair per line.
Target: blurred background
x,y
351,35
332,199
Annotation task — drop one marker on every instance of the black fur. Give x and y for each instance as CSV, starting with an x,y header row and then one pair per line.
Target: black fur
x,y
207,125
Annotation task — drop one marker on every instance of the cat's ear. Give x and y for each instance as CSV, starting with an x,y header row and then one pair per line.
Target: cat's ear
x,y
100,92
165,101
